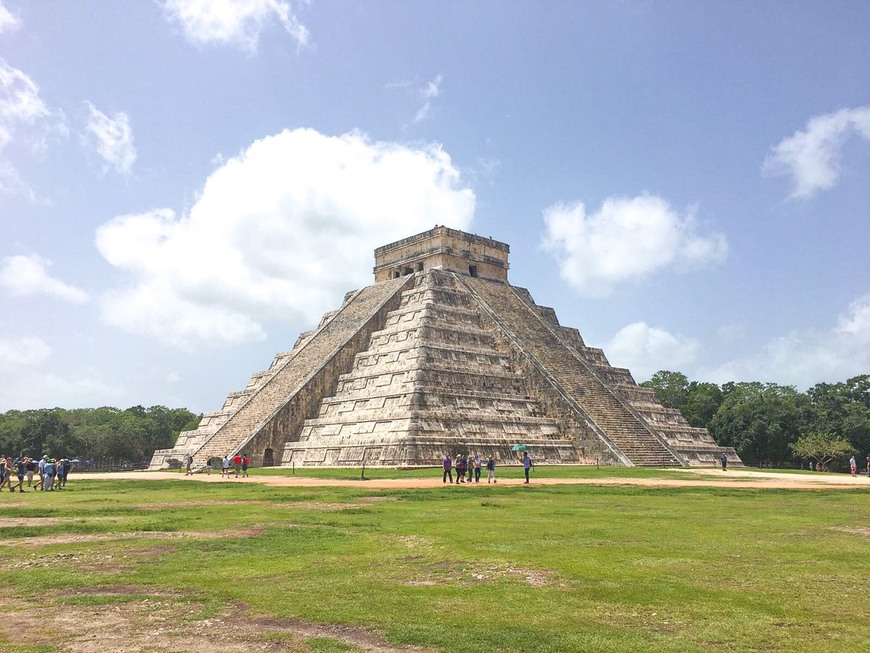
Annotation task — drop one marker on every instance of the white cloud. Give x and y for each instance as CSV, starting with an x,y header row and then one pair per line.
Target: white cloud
x,y
279,232
645,350
812,156
8,21
31,388
429,92
23,113
234,22
626,240
112,138
19,101
23,352
806,358
28,275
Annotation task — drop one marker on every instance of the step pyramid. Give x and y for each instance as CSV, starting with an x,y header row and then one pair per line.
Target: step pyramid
x,y
442,355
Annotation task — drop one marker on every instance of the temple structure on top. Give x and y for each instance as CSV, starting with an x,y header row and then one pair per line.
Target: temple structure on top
x,y
443,355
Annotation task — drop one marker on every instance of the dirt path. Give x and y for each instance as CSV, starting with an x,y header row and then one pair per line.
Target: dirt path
x,y
736,478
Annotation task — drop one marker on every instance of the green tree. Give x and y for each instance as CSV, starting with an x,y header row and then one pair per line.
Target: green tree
x,y
672,388
822,447
702,403
43,428
842,408
760,420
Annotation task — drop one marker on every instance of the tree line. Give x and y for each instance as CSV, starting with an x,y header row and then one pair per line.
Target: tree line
x,y
129,435
775,425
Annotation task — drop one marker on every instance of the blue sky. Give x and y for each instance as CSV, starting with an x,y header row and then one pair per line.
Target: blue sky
x,y
186,185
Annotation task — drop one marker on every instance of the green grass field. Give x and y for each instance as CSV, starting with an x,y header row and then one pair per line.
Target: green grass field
x,y
537,569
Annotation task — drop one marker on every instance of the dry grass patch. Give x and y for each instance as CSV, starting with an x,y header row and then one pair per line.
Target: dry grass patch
x,y
83,538
464,572
128,618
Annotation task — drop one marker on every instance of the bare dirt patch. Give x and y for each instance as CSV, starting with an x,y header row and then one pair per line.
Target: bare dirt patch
x,y
410,541
162,505
855,530
319,505
79,538
463,572
736,478
19,522
138,621
95,561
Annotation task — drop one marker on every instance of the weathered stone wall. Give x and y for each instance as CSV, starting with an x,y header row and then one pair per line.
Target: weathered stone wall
x,y
430,382
284,424
541,387
446,249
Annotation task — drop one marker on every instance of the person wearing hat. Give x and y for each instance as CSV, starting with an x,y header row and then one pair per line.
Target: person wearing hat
x,y
29,470
48,471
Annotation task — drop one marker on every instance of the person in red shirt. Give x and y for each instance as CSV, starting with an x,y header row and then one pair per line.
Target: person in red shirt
x,y
237,463
246,461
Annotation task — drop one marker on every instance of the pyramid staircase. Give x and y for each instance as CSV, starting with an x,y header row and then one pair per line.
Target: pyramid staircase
x,y
431,382
279,398
598,405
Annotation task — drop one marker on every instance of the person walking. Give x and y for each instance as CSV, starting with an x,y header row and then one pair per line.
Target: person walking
x,y
868,465
61,470
461,462
853,466
19,465
477,468
447,464
67,468
225,466
29,470
188,462
48,472
724,461
246,462
490,470
527,465
237,464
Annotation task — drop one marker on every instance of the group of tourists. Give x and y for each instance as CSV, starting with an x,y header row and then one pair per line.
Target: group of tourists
x,y
45,474
853,466
237,465
469,466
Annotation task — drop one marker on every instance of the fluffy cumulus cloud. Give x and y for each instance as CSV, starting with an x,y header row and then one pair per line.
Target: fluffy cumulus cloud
x,y
806,358
22,352
644,350
233,22
112,138
811,157
8,20
626,240
25,276
278,232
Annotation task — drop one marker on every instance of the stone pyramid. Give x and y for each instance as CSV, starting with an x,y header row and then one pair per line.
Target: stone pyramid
x,y
443,355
